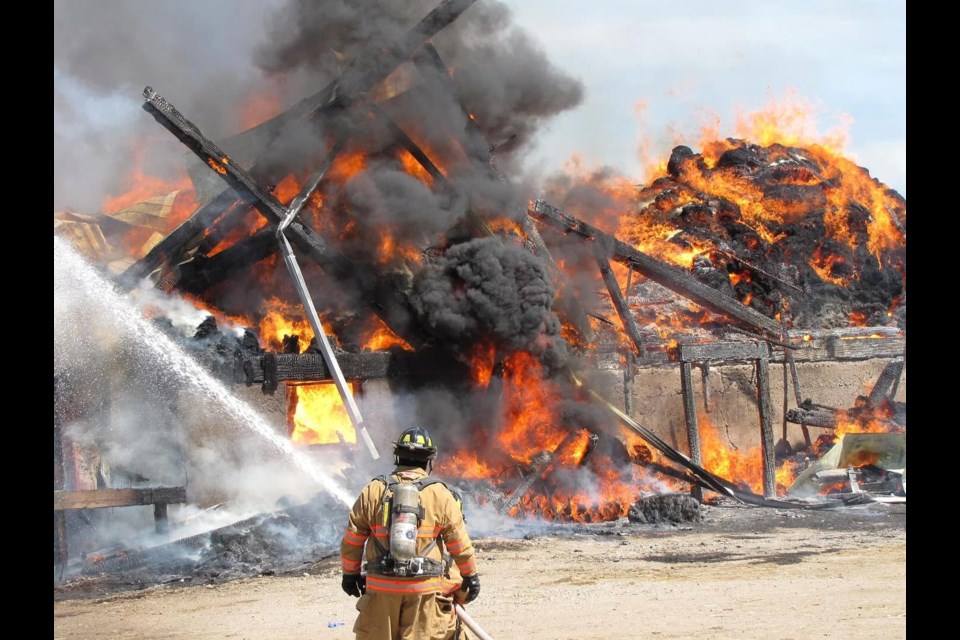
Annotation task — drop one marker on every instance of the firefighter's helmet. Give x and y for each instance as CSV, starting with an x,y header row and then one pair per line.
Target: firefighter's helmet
x,y
415,443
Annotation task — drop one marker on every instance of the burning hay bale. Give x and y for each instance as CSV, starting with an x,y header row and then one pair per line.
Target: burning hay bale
x,y
801,229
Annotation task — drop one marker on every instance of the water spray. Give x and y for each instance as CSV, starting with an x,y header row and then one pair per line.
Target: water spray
x,y
69,264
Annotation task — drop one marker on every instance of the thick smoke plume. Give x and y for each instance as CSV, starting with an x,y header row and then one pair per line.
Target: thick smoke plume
x,y
485,290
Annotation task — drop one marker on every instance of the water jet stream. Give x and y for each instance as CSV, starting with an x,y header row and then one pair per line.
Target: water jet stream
x,y
72,274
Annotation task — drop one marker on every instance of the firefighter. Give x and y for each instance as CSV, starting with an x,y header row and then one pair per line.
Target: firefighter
x,y
419,560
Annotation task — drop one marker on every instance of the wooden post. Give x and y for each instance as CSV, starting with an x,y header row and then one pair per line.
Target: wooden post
x,y
705,376
619,303
628,383
59,518
766,427
160,517
882,387
690,413
786,398
788,358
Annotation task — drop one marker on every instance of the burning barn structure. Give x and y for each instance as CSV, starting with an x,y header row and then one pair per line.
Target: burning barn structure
x,y
362,261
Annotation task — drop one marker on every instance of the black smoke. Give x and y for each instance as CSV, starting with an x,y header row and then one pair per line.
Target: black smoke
x,y
487,291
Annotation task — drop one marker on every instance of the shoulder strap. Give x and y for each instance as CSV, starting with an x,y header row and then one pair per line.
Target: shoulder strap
x,y
426,481
385,479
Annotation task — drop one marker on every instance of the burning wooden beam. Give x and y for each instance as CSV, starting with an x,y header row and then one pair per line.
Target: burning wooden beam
x,y
201,273
613,288
393,310
540,468
826,418
662,273
708,479
367,70
759,354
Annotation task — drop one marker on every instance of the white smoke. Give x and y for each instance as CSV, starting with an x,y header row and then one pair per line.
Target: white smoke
x,y
149,419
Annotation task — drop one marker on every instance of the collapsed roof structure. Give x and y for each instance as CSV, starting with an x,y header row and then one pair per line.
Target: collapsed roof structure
x,y
375,210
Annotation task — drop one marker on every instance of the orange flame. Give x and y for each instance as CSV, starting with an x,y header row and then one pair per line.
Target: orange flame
x,y
317,415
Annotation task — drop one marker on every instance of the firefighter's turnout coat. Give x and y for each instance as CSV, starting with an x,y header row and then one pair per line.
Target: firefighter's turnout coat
x,y
410,606
442,521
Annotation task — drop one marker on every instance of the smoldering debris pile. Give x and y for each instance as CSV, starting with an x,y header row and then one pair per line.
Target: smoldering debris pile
x,y
290,539
670,507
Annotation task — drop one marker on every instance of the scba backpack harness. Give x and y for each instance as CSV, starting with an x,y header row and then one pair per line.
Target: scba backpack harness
x,y
402,514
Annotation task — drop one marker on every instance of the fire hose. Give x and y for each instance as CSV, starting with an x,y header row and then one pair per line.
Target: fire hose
x,y
472,624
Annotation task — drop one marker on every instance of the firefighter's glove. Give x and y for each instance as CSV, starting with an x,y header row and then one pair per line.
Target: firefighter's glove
x,y
354,585
472,585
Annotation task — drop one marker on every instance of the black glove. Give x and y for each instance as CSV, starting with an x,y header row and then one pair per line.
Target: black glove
x,y
472,585
354,585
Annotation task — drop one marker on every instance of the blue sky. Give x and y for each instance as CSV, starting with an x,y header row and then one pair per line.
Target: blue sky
x,y
694,61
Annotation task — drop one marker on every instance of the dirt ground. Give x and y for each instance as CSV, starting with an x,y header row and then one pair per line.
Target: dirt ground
x,y
741,572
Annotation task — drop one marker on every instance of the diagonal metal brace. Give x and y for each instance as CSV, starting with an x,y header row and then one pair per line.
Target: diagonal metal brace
x,y
282,216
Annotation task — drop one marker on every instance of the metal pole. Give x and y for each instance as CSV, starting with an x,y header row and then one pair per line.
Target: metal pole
x,y
345,394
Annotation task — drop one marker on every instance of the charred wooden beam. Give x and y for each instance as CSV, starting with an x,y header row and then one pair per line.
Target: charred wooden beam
x,y
221,228
613,288
628,377
180,242
311,367
102,498
705,378
757,336
690,415
824,419
786,399
391,309
835,349
367,70
201,273
788,360
844,332
766,428
592,441
540,468
888,378
539,465
662,273
723,351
